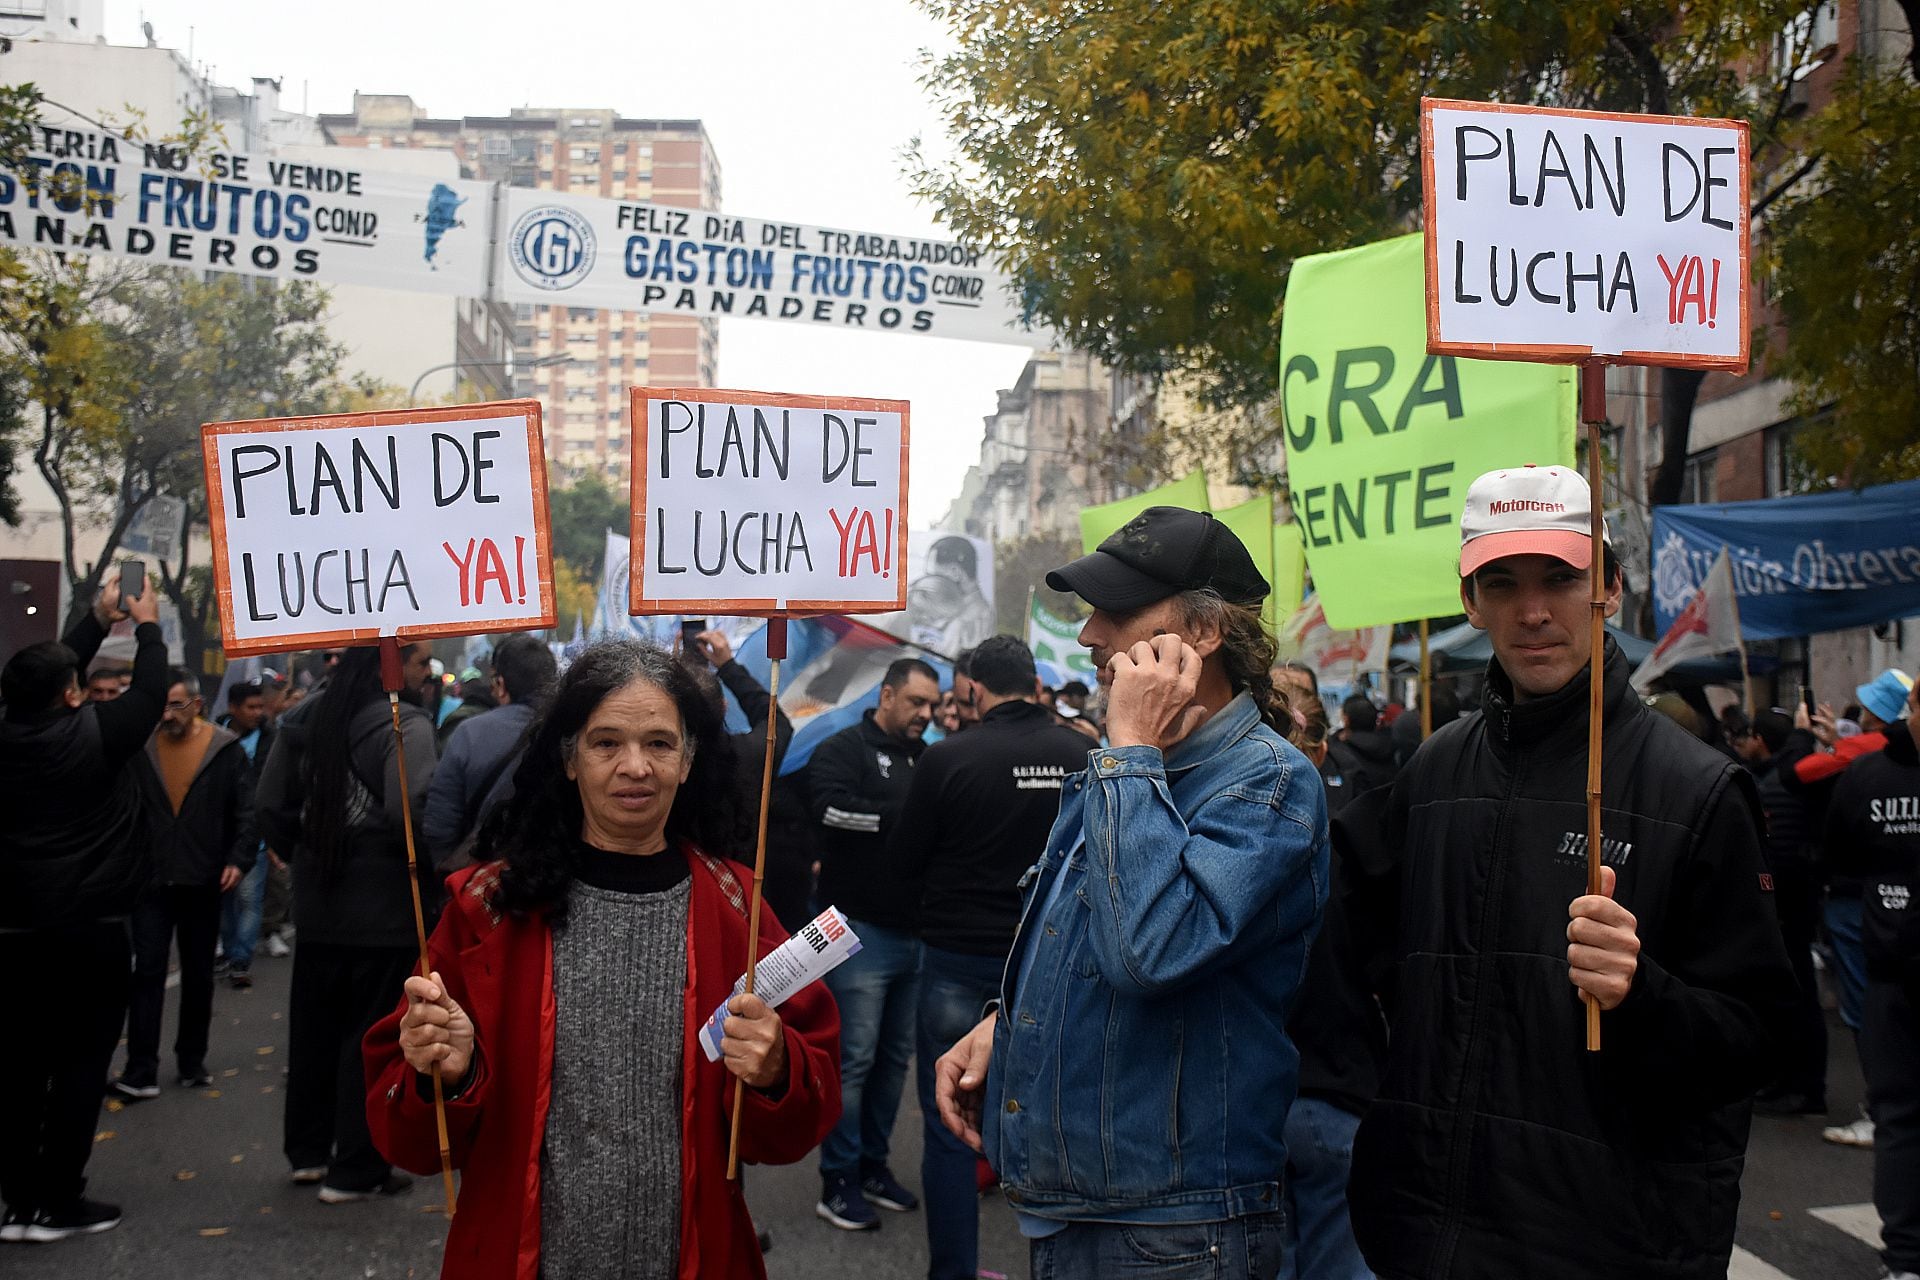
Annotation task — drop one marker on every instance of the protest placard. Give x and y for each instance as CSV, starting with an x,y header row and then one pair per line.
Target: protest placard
x,y
1567,235
1383,438
753,502
340,529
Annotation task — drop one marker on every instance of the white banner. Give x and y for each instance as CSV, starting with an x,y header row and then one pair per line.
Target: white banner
x,y
749,502
334,222
582,251
340,529
1558,235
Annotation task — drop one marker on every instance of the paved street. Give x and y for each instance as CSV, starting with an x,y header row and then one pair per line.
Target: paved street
x,y
200,1175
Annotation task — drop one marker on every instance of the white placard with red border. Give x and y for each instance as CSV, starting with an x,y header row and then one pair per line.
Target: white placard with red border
x,y
748,502
1566,236
340,529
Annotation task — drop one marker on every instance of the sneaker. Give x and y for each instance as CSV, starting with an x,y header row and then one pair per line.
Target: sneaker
x,y
1857,1134
882,1188
842,1204
310,1174
81,1218
200,1079
395,1184
124,1089
239,979
277,946
13,1227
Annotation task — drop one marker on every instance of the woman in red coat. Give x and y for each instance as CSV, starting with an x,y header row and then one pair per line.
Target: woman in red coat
x,y
573,968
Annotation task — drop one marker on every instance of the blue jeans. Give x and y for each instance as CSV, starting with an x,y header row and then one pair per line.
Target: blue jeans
x,y
875,989
1320,1244
1849,958
954,988
240,916
1237,1248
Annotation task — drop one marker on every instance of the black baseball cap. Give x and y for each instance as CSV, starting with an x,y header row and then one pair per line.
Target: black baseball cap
x,y
1159,552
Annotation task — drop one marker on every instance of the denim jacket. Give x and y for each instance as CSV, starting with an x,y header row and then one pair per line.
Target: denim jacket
x,y
1142,1072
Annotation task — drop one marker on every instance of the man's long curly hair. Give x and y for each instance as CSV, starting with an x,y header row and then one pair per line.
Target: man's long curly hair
x,y
535,833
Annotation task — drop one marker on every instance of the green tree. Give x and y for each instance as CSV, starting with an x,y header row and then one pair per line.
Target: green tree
x,y
580,515
1150,172
1845,275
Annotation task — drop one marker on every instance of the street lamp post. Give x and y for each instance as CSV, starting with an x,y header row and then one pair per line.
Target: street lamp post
x,y
413,394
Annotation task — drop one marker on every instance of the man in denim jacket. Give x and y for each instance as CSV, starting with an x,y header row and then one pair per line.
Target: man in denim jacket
x,y
1132,1088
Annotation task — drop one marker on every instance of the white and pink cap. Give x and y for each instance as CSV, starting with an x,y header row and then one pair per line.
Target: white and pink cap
x,y
1527,511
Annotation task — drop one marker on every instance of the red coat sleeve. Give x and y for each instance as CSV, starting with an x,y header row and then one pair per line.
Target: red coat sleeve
x,y
783,1130
399,1099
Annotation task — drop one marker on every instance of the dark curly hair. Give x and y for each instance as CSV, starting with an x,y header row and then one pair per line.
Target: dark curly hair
x,y
536,831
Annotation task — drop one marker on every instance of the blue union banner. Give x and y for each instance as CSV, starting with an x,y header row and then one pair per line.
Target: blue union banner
x,y
1823,562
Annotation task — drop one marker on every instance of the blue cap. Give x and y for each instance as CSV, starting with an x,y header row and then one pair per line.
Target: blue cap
x,y
1886,694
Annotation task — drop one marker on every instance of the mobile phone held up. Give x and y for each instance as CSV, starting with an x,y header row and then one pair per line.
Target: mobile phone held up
x,y
133,580
690,629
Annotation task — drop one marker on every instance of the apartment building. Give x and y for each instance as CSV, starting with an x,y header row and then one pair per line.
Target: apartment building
x,y
582,151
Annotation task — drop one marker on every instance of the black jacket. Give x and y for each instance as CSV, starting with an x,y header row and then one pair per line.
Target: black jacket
x,y
1790,833
1498,1146
73,845
1873,834
1363,761
977,816
750,759
1336,1023
856,784
214,828
367,902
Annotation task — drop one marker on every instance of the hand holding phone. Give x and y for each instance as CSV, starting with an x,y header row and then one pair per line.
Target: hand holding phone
x,y
690,629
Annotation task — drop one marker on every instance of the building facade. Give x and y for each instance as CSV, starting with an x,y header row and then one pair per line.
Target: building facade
x,y
1039,458
581,151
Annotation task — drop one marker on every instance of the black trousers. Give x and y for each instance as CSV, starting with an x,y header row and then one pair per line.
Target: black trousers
x,y
1890,1048
67,992
192,912
338,992
1796,895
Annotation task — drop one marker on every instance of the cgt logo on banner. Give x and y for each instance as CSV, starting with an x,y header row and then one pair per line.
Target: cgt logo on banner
x,y
341,529
551,247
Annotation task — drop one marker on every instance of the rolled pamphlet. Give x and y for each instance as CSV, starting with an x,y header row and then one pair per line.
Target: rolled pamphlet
x,y
809,955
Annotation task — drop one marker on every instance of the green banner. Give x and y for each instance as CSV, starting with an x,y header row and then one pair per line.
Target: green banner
x,y
1056,640
1383,439
1097,522
1289,570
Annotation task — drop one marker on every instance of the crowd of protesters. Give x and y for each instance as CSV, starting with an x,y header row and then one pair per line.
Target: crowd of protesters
x,y
1207,976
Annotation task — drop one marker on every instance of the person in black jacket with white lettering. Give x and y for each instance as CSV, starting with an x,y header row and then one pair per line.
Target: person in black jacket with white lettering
x,y
73,860
857,782
1498,1147
1873,831
976,818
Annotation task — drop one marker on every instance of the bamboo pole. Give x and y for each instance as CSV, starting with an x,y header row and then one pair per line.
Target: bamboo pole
x,y
776,650
391,668
1593,409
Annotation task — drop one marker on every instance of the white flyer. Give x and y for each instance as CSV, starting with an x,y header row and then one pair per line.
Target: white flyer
x,y
809,955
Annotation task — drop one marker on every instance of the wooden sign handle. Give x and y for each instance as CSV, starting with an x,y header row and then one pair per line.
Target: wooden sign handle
x,y
776,650
1593,411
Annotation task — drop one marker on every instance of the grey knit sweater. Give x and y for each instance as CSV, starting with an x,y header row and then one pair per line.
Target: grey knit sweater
x,y
610,1167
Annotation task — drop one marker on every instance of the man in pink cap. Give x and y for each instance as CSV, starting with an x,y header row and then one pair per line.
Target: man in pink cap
x,y
1498,1146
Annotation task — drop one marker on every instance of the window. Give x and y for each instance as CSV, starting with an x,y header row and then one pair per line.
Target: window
x,y
1810,38
576,338
496,147
576,314
586,180
1699,483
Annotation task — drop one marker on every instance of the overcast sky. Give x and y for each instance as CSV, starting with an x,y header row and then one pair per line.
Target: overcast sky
x,y
808,103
